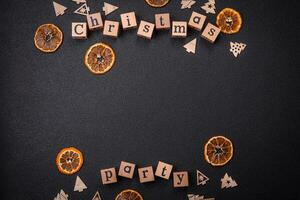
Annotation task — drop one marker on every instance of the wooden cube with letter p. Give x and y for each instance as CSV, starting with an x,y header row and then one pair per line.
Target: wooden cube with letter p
x,y
108,176
180,179
162,21
210,33
79,30
126,169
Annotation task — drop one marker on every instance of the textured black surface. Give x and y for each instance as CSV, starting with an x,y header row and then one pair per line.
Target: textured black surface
x,y
157,103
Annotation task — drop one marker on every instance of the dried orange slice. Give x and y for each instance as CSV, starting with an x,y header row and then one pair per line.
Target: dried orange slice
x,y
157,3
229,21
99,58
48,38
218,150
69,160
129,195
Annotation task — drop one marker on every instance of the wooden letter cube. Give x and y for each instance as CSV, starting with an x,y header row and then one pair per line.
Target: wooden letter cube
x,y
162,21
145,29
180,179
79,30
146,174
210,33
108,176
94,21
197,21
111,28
126,169
163,170
128,20
179,29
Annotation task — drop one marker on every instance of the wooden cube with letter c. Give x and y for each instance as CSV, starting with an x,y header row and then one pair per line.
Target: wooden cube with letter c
x,y
79,30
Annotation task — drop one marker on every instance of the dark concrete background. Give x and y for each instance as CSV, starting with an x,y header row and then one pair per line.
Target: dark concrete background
x,y
157,103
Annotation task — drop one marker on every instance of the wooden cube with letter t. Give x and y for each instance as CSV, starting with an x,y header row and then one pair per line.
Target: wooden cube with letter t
x,y
210,33
162,21
163,170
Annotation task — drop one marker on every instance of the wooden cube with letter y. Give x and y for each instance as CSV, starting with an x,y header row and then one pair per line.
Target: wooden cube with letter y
x,y
180,179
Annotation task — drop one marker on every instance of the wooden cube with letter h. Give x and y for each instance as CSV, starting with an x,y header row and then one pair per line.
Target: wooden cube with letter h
x,y
94,21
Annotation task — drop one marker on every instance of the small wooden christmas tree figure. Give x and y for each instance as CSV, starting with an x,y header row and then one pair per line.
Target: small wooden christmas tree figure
x,y
209,7
228,182
97,196
59,9
61,196
79,185
187,4
191,46
236,48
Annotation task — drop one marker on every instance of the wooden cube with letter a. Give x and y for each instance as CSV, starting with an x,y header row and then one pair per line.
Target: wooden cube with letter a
x,y
126,169
210,33
197,21
146,29
179,29
180,179
79,30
